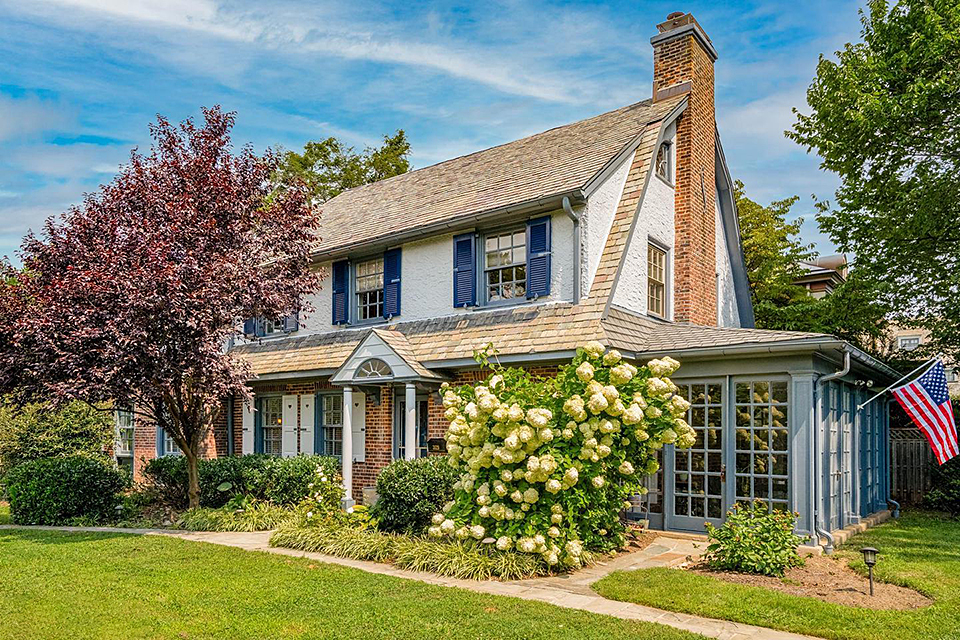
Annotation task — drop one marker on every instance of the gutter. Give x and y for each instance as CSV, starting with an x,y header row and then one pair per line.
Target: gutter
x,y
818,476
576,247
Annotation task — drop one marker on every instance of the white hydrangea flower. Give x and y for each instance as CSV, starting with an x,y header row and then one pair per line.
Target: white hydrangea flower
x,y
437,518
621,374
597,403
611,357
668,436
610,393
594,348
603,451
434,532
501,490
471,411
496,381
515,413
451,399
616,408
504,543
567,433
574,548
553,486
546,434
484,512
574,407
626,468
506,475
556,518
447,526
512,442
553,532
597,481
517,496
585,371
571,476
632,414
527,545
653,412
678,405
526,434
477,531
531,495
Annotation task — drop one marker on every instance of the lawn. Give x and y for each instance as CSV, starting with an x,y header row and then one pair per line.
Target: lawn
x,y
920,550
4,513
77,585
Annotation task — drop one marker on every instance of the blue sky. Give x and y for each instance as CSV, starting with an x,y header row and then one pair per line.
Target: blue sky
x,y
80,80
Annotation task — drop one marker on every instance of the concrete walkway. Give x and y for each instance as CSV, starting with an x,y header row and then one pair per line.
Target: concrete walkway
x,y
571,591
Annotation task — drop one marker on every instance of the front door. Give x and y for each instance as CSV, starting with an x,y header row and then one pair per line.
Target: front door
x,y
399,411
696,485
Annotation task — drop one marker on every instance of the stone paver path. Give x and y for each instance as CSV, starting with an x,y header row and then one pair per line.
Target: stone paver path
x,y
570,591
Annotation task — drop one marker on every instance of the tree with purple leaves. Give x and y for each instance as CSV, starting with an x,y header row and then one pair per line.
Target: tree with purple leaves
x,y
134,295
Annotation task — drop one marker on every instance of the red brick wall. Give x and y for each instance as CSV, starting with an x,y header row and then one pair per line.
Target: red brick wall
x,y
695,290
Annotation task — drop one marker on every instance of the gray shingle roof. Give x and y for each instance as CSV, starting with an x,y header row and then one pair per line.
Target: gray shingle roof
x,y
551,163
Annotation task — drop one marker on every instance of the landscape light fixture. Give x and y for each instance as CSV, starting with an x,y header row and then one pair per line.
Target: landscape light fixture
x,y
869,559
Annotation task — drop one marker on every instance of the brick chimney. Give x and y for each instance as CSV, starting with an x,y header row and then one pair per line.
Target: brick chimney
x,y
683,60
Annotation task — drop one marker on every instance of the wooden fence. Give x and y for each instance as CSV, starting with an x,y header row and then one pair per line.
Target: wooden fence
x,y
910,461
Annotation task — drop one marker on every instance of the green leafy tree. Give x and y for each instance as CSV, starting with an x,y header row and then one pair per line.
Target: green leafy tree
x,y
885,117
329,167
854,311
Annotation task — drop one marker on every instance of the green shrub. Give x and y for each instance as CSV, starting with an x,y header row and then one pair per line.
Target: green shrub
x,y
36,431
59,491
463,559
945,495
253,516
282,481
753,540
411,491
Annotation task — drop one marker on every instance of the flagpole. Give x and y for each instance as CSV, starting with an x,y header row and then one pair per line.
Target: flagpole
x,y
927,363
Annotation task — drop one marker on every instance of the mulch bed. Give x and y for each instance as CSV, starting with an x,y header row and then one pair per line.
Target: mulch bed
x,y
829,580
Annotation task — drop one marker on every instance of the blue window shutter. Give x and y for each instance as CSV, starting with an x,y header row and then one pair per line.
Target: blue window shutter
x,y
160,451
258,426
464,270
341,282
391,283
538,257
291,322
250,327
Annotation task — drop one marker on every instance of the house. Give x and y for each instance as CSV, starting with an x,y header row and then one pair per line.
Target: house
x,y
619,228
823,275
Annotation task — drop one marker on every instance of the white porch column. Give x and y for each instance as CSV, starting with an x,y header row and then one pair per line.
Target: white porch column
x,y
410,423
346,447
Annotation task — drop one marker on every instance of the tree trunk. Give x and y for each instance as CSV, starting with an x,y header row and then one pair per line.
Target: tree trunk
x,y
193,477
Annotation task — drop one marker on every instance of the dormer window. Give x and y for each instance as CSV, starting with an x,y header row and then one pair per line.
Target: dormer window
x,y
663,166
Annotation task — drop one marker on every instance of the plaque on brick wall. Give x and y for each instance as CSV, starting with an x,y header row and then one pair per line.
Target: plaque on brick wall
x,y
437,445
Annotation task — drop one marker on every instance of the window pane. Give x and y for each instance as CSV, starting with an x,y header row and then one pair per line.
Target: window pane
x,y
505,265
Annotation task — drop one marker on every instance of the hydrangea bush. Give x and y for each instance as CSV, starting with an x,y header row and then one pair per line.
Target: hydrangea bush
x,y
548,464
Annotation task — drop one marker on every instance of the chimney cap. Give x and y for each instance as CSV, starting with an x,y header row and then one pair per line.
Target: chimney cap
x,y
678,24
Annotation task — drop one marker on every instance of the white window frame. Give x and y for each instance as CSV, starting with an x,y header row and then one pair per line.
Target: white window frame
x,y
902,340
667,148
486,269
170,447
277,427
124,424
332,431
358,293
652,245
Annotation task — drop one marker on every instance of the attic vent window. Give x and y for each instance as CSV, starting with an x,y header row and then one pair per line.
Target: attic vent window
x,y
373,368
663,164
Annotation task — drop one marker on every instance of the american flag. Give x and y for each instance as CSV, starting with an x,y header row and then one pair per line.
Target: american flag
x,y
927,401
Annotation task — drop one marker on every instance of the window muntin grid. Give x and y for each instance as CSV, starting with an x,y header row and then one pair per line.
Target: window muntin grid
x,y
170,447
656,281
124,432
698,471
762,443
272,425
369,289
505,265
331,417
373,368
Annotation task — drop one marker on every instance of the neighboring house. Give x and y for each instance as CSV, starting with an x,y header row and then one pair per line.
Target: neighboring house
x,y
908,339
823,275
619,228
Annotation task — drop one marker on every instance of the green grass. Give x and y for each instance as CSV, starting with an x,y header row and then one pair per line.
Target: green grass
x,y
920,551
77,585
5,513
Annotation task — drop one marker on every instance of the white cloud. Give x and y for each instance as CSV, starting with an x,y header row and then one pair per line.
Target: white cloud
x,y
23,117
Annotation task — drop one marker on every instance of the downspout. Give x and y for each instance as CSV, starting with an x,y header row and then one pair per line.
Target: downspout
x,y
576,247
818,484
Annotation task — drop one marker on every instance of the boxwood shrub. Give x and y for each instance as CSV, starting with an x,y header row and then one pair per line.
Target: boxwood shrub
x,y
59,491
410,492
281,481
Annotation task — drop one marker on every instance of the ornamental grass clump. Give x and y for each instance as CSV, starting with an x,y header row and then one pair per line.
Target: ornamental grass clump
x,y
547,464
